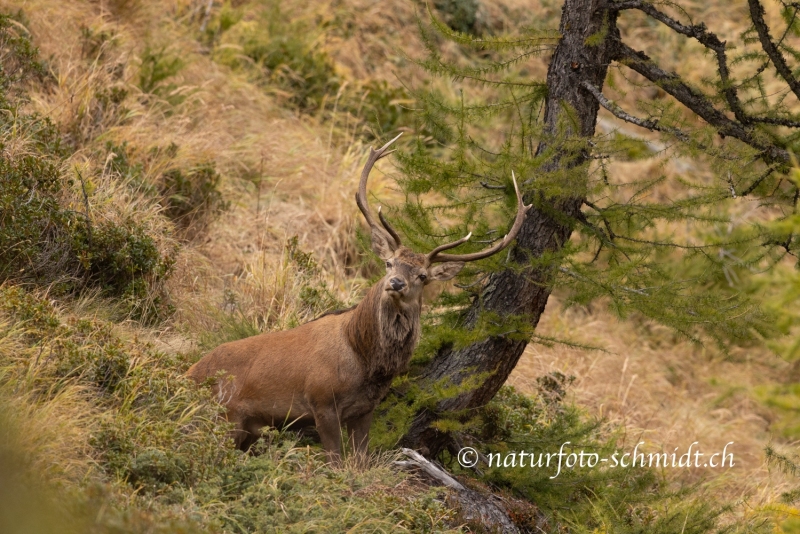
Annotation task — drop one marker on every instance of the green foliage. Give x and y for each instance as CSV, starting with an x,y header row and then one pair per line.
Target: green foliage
x,y
784,401
95,43
666,254
20,61
284,54
460,15
124,166
44,242
628,247
192,198
315,297
384,108
787,463
27,503
157,67
395,414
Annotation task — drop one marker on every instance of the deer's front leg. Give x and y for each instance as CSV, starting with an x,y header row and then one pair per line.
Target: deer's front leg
x,y
358,428
330,433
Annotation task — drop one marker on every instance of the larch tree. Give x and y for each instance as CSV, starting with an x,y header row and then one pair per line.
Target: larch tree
x,y
593,230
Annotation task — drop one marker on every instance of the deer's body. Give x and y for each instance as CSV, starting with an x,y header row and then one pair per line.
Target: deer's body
x,y
336,369
331,371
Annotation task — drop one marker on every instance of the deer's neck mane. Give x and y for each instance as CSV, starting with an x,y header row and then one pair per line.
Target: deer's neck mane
x,y
383,334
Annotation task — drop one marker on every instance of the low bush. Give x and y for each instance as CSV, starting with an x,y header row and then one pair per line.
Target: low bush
x,y
157,67
280,53
460,15
192,197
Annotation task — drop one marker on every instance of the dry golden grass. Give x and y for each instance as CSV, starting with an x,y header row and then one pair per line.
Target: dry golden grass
x,y
667,392
305,182
51,436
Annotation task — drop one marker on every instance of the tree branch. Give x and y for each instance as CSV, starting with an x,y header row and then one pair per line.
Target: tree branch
x,y
757,15
778,121
697,102
621,6
627,117
611,234
708,39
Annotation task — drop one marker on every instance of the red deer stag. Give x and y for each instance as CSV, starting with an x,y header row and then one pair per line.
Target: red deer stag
x,y
335,369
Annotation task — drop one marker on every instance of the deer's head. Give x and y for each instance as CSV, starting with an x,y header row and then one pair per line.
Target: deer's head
x,y
408,272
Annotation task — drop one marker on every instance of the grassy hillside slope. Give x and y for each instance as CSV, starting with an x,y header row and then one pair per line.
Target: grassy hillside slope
x,y
192,167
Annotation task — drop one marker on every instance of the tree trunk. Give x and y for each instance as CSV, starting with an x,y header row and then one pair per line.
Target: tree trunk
x,y
526,292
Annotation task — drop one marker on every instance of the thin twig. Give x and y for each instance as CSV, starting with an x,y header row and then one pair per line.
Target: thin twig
x,y
756,183
488,186
206,16
86,204
627,117
778,121
605,221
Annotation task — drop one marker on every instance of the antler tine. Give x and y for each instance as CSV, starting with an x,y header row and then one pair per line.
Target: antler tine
x,y
388,227
522,209
361,195
432,254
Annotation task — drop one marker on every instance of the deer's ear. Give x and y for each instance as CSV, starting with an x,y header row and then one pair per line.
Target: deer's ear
x,y
381,244
445,271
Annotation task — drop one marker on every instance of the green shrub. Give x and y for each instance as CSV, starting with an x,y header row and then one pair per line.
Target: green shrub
x,y
43,242
33,240
155,70
192,198
601,498
20,61
284,54
383,108
94,43
48,234
460,15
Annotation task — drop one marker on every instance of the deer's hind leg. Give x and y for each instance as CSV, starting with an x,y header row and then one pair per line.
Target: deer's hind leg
x,y
246,430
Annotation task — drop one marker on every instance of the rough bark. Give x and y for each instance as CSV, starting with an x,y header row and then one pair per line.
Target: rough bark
x,y
526,292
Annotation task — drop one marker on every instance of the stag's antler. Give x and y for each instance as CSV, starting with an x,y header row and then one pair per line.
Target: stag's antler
x,y
361,195
436,256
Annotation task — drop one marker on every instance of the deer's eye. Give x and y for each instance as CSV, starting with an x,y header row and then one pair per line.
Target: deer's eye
x,y
388,265
423,277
